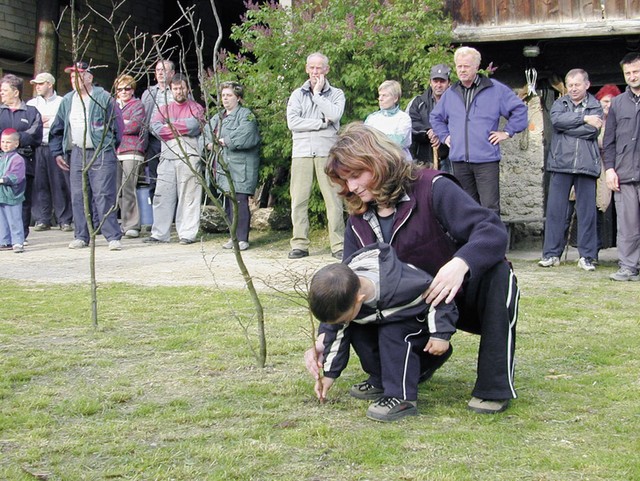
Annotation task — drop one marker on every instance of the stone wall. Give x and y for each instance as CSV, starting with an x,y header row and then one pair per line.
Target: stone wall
x,y
521,173
17,30
18,27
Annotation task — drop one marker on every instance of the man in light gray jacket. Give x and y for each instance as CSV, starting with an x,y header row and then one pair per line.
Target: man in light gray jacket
x,y
313,116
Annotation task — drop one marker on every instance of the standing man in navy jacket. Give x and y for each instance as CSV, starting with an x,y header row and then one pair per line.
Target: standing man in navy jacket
x,y
466,119
574,161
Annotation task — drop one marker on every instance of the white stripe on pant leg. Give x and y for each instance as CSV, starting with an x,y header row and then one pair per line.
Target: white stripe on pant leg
x,y
406,361
513,296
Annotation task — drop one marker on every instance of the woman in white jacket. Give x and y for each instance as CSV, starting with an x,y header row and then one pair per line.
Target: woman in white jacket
x,y
390,119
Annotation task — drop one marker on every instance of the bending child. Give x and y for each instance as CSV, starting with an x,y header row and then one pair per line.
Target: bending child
x,y
392,325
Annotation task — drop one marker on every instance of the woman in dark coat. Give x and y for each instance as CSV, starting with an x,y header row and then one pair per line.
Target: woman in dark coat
x,y
235,130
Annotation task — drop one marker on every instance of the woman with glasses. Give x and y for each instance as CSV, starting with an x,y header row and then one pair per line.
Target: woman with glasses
x,y
130,153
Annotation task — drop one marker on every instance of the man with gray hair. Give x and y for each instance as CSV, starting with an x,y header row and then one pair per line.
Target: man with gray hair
x,y
313,116
51,184
573,161
466,119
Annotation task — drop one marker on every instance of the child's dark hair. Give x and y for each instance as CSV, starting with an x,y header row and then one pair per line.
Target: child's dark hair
x,y
333,291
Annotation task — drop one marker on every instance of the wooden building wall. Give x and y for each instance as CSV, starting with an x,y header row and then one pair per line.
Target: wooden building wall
x,y
501,12
499,20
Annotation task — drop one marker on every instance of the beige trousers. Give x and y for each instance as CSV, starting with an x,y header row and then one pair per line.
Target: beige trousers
x,y
302,173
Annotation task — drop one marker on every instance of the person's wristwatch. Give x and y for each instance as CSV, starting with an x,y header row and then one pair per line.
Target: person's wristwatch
x,y
508,134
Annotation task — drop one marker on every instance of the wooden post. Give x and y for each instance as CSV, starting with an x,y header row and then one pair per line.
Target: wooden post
x,y
46,53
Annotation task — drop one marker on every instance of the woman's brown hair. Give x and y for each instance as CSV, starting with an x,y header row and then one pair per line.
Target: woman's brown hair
x,y
361,148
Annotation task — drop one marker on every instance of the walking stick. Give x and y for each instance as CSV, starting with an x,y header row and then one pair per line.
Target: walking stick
x,y
435,158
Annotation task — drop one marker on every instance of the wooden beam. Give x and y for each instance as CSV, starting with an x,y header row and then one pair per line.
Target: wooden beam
x,y
500,33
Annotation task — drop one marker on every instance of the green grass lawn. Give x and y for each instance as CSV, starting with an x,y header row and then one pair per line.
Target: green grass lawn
x,y
167,389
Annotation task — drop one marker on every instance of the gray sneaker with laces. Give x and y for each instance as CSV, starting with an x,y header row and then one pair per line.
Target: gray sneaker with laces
x,y
366,391
625,274
388,409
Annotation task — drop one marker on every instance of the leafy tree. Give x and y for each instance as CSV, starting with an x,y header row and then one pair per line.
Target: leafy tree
x,y
366,41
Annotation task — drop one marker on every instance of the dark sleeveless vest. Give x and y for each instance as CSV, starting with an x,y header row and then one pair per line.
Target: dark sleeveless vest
x,y
418,238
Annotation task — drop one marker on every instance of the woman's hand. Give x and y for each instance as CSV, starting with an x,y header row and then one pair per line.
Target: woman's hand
x,y
447,282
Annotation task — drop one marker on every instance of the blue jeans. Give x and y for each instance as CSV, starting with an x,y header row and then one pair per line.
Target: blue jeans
x,y
101,178
11,229
555,227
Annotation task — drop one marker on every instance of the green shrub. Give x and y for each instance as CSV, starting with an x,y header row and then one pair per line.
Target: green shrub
x,y
366,42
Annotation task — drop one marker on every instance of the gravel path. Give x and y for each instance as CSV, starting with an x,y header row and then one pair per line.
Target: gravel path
x,y
48,259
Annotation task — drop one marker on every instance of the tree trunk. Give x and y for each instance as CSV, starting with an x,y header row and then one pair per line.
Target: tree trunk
x,y
46,54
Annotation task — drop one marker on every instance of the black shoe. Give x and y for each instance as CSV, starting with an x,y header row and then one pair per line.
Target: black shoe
x,y
184,241
436,364
151,240
6,247
337,255
298,254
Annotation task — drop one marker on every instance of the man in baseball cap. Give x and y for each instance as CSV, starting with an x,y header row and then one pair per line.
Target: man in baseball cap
x,y
425,142
90,122
80,66
43,77
51,194
440,71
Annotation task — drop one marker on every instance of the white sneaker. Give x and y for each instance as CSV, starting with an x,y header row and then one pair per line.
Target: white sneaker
x,y
115,245
18,248
585,263
244,245
77,244
552,261
132,233
228,244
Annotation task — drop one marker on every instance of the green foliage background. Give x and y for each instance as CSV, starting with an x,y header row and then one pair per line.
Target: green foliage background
x,y
366,41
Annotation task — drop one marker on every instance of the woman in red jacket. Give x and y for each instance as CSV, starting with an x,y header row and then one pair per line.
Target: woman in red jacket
x,y
130,153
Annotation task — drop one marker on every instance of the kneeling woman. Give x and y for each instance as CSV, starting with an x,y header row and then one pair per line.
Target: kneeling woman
x,y
434,225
